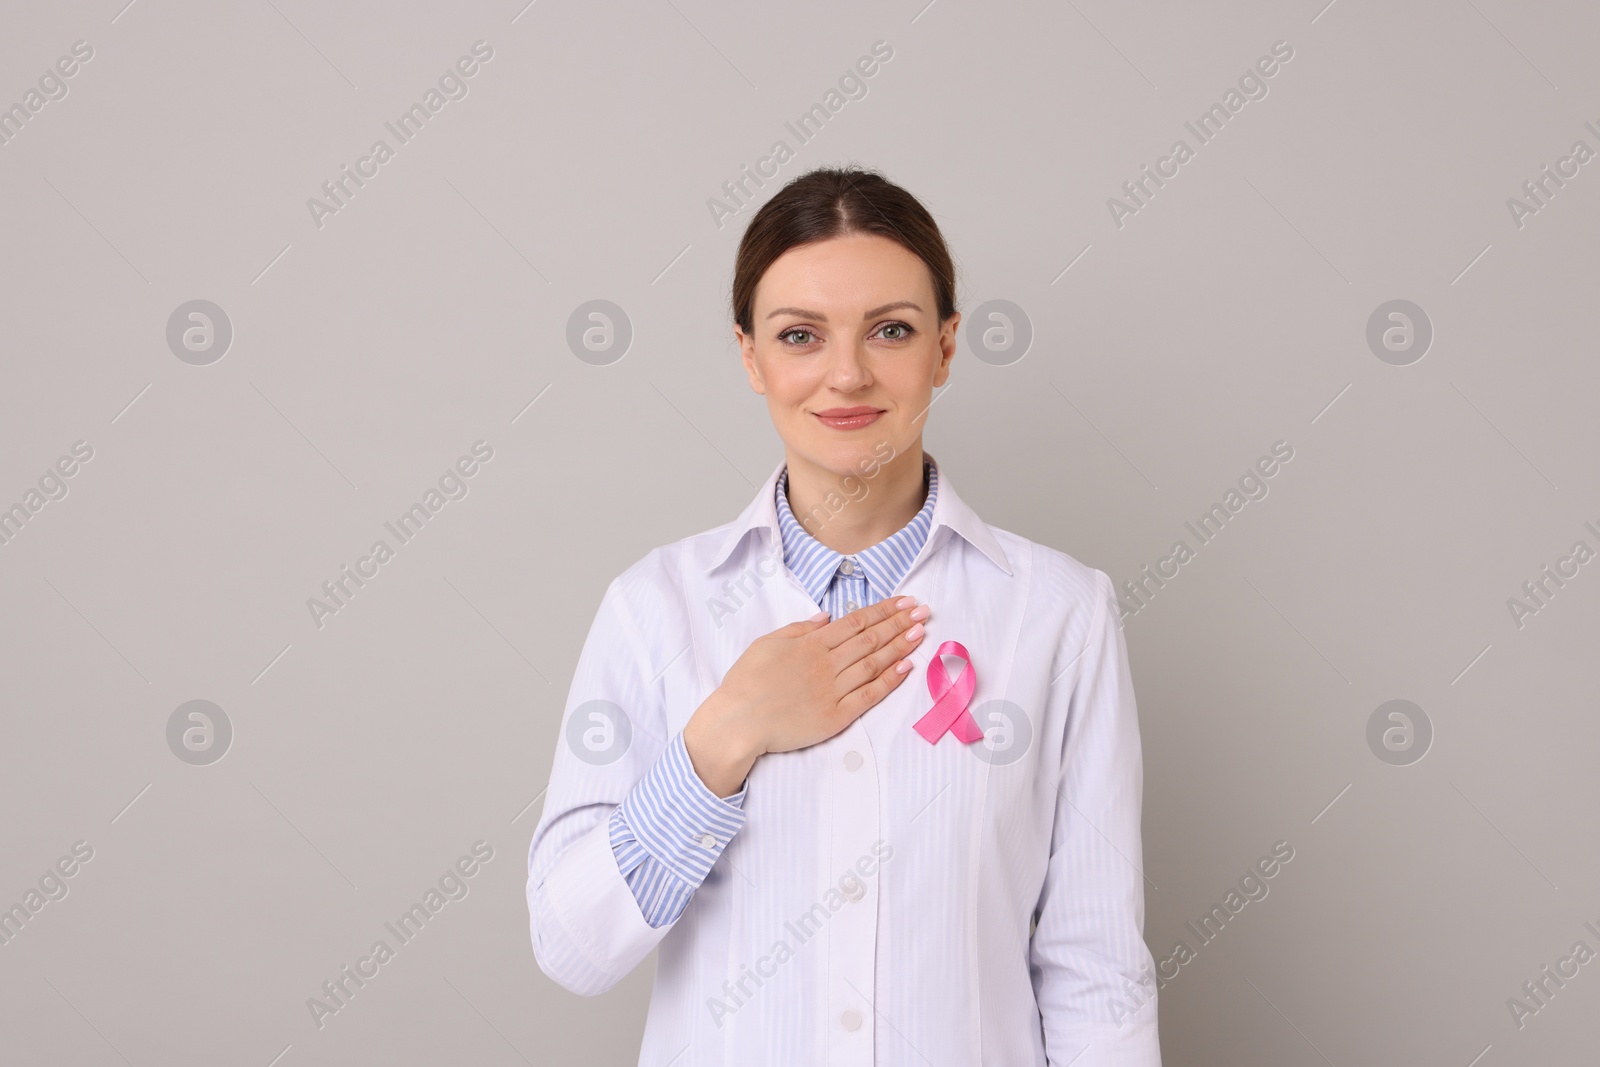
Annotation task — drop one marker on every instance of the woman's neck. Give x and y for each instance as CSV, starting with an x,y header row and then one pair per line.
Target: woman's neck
x,y
855,511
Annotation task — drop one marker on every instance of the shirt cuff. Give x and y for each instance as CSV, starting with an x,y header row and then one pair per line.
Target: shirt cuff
x,y
677,819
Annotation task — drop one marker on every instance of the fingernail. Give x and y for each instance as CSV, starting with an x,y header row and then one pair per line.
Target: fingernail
x,y
914,633
921,612
905,602
903,666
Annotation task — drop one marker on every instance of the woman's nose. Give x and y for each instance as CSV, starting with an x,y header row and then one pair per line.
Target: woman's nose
x,y
849,368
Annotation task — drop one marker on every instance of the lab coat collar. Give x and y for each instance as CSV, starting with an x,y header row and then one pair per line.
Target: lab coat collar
x,y
949,511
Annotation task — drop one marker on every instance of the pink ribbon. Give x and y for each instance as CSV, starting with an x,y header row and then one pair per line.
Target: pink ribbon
x,y
950,699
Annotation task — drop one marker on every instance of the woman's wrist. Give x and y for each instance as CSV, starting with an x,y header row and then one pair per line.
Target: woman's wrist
x,y
720,755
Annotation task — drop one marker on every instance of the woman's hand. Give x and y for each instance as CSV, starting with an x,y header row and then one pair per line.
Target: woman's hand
x,y
801,684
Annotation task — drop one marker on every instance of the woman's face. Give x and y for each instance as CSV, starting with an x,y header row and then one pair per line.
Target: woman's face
x,y
847,347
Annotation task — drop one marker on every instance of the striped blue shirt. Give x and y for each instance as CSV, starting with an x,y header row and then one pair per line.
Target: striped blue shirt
x,y
838,583
670,828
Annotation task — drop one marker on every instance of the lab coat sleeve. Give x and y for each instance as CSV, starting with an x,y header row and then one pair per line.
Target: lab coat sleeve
x,y
587,926
1093,975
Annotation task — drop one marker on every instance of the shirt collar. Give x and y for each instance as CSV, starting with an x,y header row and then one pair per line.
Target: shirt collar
x,y
950,512
881,565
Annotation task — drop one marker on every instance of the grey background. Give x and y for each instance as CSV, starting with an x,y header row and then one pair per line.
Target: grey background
x,y
431,312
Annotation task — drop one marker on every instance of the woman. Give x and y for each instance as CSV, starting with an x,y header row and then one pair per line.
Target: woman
x,y
840,867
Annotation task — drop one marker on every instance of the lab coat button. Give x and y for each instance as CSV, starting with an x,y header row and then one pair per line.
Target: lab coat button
x,y
850,1019
852,760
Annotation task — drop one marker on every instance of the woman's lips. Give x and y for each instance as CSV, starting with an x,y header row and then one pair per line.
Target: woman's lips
x,y
848,419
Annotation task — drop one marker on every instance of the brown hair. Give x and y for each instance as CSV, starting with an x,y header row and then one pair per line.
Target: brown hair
x,y
834,202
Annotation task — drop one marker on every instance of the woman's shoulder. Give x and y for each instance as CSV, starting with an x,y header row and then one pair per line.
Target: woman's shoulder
x,y
1064,581
666,571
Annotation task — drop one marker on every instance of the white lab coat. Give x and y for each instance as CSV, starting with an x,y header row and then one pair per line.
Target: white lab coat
x,y
876,907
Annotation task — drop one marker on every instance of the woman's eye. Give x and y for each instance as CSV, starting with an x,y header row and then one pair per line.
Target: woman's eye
x,y
797,336
904,331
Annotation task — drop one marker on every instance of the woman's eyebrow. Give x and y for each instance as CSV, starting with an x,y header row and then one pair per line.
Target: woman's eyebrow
x,y
820,317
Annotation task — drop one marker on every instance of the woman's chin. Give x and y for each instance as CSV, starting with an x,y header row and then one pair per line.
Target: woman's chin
x,y
863,456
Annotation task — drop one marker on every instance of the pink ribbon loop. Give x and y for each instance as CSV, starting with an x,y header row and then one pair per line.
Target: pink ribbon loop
x,y
950,698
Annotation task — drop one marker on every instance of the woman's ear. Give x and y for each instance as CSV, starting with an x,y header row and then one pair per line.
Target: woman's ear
x,y
949,337
747,352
